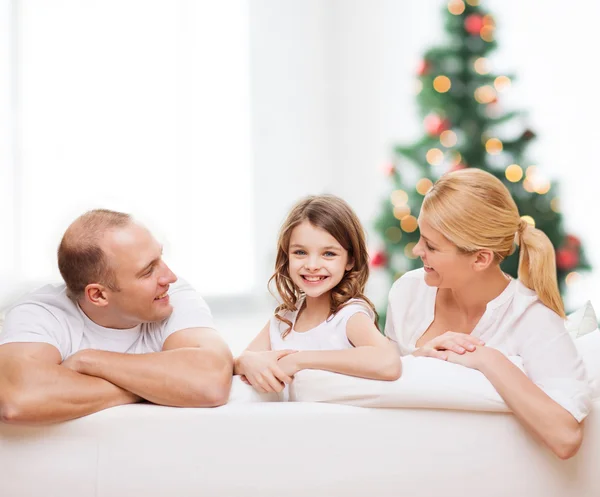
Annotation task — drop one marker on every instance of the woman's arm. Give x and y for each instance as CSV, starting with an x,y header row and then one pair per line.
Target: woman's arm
x,y
373,355
550,422
543,417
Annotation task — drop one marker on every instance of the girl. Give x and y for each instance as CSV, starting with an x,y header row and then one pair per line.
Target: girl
x,y
468,224
324,321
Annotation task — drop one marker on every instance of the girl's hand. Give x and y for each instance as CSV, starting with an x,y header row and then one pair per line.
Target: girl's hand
x,y
439,347
261,370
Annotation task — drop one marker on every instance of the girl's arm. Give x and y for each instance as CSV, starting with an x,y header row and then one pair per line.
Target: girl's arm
x,y
258,364
373,355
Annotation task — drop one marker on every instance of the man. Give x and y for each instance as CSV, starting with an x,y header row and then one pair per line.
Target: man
x,y
115,333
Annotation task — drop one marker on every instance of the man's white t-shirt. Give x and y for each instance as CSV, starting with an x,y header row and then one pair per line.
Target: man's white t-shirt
x,y
47,315
516,322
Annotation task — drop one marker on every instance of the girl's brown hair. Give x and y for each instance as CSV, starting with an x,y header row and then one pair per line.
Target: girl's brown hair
x,y
334,215
474,210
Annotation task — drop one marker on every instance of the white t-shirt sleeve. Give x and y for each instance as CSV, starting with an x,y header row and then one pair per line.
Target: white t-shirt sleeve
x,y
406,306
34,323
551,360
351,309
389,330
189,311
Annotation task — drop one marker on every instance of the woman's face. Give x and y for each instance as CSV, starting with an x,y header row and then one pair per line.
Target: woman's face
x,y
445,266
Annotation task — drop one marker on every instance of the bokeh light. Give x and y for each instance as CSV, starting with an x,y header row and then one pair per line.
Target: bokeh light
x,y
456,7
485,94
434,156
572,278
448,138
401,211
393,234
442,84
409,224
399,197
487,33
514,173
424,185
481,65
529,220
493,146
502,83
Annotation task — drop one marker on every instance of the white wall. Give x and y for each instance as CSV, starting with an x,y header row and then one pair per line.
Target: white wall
x,y
292,112
7,149
133,105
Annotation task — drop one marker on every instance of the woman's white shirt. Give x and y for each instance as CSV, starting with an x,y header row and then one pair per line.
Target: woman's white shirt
x,y
516,322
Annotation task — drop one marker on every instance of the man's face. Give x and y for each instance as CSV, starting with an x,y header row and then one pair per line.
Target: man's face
x,y
141,274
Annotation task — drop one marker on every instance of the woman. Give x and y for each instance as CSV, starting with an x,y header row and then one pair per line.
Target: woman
x,y
462,308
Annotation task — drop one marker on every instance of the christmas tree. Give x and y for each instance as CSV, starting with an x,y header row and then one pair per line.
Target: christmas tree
x,y
465,126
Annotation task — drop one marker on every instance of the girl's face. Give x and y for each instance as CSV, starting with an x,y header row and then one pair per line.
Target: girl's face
x,y
445,266
317,262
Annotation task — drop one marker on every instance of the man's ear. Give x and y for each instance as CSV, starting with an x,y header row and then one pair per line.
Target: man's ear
x,y
96,294
483,259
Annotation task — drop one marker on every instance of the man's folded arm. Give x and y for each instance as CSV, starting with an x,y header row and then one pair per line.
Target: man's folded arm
x,y
35,388
194,369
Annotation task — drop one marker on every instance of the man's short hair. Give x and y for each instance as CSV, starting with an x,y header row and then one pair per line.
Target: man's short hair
x,y
81,260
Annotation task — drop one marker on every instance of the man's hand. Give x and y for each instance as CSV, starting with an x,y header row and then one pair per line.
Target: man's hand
x,y
76,361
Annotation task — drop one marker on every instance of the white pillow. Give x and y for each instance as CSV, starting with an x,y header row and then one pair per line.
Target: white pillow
x,y
240,392
582,321
589,349
425,383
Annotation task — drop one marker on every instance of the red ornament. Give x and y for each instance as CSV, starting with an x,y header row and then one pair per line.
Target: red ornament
x,y
423,68
435,125
572,241
473,24
458,167
528,135
389,169
566,259
379,259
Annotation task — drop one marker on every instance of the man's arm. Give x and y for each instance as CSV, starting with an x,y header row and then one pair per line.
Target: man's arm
x,y
35,389
194,369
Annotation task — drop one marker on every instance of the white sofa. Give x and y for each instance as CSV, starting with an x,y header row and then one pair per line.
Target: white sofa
x,y
254,446
293,449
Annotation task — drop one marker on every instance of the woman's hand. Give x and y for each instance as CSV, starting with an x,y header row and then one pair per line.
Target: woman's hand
x,y
476,359
261,370
289,364
439,347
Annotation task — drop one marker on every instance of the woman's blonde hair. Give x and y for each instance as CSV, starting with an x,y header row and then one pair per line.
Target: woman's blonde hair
x,y
474,210
334,215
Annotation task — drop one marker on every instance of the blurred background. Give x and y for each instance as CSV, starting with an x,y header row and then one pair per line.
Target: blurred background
x,y
209,119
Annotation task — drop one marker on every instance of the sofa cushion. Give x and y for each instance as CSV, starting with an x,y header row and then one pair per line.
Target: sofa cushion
x,y
582,321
